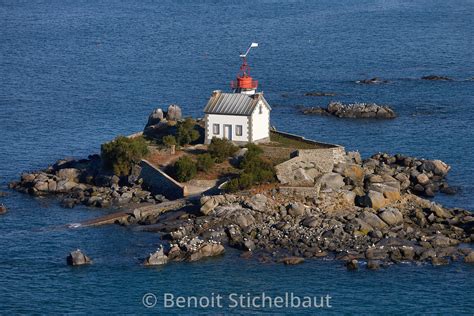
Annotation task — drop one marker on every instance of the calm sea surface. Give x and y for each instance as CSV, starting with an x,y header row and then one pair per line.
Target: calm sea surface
x,y
74,74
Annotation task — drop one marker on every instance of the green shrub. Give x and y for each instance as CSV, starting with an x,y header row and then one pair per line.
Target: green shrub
x,y
169,140
205,162
185,169
256,170
220,149
120,154
186,132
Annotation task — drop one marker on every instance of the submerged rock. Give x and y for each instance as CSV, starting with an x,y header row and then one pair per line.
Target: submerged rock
x,y
320,94
435,77
77,258
292,260
3,209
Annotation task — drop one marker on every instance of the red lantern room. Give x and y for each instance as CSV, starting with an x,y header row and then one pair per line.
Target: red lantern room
x,y
244,82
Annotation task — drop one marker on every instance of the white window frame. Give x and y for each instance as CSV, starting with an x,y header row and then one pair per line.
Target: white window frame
x,y
216,129
239,130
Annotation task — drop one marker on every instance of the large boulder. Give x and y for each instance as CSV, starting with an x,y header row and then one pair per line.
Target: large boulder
x,y
391,216
373,220
156,258
70,174
373,199
354,172
438,167
77,258
209,203
296,209
174,113
469,257
207,250
331,180
155,117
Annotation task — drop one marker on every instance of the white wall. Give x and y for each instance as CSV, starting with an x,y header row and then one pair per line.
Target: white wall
x,y
260,122
227,119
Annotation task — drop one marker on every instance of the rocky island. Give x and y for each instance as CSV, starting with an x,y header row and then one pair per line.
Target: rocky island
x,y
355,110
286,200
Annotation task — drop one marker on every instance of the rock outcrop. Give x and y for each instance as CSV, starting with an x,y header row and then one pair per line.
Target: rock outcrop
x,y
374,80
436,78
85,182
77,258
356,110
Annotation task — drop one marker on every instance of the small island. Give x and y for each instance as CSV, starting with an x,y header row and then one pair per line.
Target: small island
x,y
230,180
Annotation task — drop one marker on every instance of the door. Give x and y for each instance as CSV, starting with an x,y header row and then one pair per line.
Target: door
x,y
228,131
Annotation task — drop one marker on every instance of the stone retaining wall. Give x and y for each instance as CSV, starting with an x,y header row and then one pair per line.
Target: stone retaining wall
x,y
308,164
159,182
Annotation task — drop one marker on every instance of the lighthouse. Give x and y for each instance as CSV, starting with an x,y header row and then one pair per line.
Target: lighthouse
x,y
244,83
242,116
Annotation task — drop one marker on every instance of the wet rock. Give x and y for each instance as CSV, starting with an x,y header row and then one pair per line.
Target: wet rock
x,y
77,258
374,80
207,250
69,202
469,258
3,209
352,265
373,265
156,258
439,261
292,260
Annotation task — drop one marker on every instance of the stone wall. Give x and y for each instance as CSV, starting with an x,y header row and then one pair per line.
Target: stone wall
x,y
159,182
308,165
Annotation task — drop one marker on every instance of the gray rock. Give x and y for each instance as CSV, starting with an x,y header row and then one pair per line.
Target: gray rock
x,y
174,113
352,265
311,221
70,174
296,209
373,220
469,258
331,180
292,260
155,117
373,265
391,216
156,258
77,258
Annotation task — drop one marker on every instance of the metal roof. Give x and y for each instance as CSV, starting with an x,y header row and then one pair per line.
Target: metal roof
x,y
233,103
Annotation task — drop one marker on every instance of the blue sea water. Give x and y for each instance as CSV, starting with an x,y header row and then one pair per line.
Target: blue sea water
x,y
74,74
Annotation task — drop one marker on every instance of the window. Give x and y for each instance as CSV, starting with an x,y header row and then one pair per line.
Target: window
x,y
260,109
215,129
238,130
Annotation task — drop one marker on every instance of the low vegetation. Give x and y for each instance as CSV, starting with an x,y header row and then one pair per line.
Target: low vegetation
x,y
186,132
220,149
169,140
120,154
255,170
205,162
185,169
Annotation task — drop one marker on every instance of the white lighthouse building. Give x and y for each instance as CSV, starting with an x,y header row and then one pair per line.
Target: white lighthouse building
x,y
242,116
